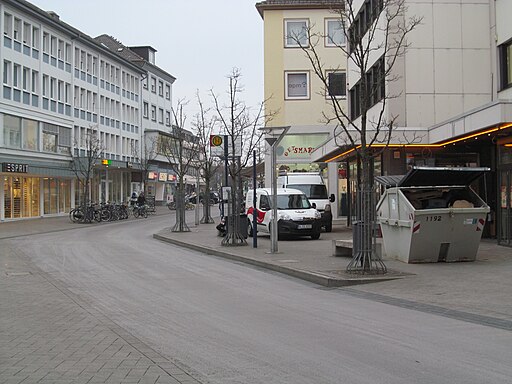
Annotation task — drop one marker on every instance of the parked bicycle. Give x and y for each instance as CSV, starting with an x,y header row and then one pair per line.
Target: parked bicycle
x,y
188,206
85,214
140,211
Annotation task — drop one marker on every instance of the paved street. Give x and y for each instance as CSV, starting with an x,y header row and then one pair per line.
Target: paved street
x,y
108,303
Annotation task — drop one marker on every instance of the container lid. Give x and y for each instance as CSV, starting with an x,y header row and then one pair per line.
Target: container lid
x,y
389,181
441,176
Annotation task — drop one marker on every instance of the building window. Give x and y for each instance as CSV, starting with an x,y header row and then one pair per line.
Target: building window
x,y
160,88
12,131
153,85
26,79
296,33
46,85
337,84
168,118
145,110
30,135
35,82
49,142
506,64
35,37
67,54
160,115
53,88
16,75
297,85
7,72
167,91
53,46
153,113
17,29
376,89
61,49
7,24
334,34
46,42
27,33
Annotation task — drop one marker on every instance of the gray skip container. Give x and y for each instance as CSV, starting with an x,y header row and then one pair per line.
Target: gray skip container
x,y
432,215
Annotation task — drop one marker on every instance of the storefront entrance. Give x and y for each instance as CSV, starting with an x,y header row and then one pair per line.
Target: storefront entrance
x,y
25,197
21,197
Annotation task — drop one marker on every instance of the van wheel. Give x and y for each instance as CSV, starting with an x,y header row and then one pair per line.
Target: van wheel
x,y
328,228
315,236
249,230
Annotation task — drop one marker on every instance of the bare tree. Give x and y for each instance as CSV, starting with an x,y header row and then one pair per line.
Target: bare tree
x,y
204,124
147,153
378,30
236,120
180,147
83,165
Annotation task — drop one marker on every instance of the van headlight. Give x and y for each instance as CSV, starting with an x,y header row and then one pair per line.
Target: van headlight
x,y
318,215
327,208
284,216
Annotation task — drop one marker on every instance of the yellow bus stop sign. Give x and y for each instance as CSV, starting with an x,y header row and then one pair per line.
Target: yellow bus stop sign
x,y
215,140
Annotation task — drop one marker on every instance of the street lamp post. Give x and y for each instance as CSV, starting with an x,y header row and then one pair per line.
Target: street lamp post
x,y
273,141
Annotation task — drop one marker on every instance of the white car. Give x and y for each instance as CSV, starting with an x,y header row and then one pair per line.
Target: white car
x,y
296,216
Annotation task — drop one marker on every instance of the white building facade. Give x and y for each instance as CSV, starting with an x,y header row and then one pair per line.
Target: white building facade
x,y
452,93
59,85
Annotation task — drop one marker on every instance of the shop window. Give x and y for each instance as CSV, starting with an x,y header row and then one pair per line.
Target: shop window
x,y
12,131
49,142
30,135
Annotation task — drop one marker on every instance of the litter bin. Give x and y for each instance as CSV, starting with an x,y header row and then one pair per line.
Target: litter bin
x,y
432,215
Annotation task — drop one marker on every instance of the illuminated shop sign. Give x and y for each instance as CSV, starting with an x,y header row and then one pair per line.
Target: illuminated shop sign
x,y
152,175
162,176
171,177
299,147
14,168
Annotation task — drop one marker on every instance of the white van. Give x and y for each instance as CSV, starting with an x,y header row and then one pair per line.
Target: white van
x,y
296,216
313,186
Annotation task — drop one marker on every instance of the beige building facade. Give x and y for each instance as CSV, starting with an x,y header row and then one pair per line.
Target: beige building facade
x,y
292,89
452,98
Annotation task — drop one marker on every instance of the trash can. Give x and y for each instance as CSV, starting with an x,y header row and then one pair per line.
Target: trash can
x,y
432,215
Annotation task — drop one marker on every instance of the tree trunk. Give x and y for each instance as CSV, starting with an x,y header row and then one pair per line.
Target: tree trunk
x,y
234,237
364,258
207,217
181,225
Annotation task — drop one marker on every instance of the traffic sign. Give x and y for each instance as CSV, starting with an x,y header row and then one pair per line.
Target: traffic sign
x,y
217,145
216,140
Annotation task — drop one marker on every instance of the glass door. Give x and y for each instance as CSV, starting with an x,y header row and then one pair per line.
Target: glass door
x,y
505,210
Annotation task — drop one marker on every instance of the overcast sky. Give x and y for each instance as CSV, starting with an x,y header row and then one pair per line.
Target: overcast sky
x,y
197,41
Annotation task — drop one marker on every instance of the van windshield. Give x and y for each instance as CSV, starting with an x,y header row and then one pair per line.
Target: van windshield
x,y
312,191
292,202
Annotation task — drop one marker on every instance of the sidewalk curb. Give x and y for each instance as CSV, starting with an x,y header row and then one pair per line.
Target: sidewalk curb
x,y
313,277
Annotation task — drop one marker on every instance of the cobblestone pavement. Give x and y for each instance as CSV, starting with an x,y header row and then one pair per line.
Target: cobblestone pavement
x,y
50,335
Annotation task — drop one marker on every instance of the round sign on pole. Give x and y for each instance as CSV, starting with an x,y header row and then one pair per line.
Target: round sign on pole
x,y
215,140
